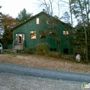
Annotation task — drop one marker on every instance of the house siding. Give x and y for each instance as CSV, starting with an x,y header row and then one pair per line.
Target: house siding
x,y
32,26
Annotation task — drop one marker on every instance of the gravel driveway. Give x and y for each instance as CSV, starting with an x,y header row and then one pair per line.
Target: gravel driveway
x,y
18,82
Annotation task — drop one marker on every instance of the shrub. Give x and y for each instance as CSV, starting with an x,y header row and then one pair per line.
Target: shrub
x,y
42,48
54,54
29,50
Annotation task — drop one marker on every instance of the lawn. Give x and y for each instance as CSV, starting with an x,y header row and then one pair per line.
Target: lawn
x,y
45,62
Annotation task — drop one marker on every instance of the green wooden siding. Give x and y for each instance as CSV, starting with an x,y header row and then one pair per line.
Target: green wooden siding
x,y
32,26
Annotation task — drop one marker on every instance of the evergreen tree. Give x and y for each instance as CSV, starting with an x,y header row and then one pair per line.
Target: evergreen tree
x,y
23,15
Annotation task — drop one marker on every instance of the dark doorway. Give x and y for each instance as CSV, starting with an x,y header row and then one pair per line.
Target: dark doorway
x,y
20,38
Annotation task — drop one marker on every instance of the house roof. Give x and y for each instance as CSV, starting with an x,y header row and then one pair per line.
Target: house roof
x,y
33,18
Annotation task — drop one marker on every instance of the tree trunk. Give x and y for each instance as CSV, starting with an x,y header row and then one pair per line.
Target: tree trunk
x,y
85,31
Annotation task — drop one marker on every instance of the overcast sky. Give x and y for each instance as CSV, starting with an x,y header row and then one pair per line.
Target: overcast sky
x,y
13,7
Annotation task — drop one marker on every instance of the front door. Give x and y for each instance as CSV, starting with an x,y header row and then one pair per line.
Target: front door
x,y
20,38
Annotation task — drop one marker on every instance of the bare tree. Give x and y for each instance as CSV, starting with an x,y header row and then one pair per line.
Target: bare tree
x,y
81,10
53,23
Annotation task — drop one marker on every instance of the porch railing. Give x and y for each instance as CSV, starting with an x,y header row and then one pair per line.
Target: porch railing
x,y
17,45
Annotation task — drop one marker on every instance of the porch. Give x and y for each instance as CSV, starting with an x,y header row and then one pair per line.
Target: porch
x,y
18,43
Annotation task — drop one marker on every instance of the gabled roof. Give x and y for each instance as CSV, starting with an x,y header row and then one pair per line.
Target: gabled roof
x,y
33,18
27,20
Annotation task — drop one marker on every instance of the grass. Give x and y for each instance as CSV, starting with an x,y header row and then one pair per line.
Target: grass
x,y
45,62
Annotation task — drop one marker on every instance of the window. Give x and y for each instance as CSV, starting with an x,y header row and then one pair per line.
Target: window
x,y
33,34
42,34
53,49
53,32
65,51
37,21
65,32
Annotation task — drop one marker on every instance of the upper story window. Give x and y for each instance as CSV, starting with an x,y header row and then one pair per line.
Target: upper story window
x,y
37,21
65,32
33,34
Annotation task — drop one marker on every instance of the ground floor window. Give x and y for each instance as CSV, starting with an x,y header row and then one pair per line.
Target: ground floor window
x,y
33,34
42,34
52,49
65,51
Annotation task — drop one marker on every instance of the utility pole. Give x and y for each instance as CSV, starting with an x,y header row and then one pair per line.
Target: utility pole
x,y
1,25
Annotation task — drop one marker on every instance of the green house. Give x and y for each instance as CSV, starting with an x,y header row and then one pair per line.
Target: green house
x,y
43,28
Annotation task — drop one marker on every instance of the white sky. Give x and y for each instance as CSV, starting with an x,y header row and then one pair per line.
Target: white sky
x,y
13,7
